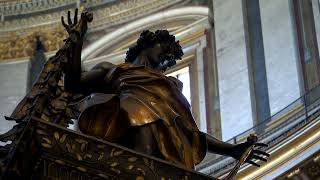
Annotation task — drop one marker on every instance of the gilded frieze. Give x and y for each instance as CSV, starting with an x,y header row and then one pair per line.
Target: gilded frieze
x,y
17,36
21,47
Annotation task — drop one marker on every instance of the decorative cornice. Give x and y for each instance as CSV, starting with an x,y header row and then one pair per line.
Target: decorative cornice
x,y
16,35
125,31
17,7
20,47
111,15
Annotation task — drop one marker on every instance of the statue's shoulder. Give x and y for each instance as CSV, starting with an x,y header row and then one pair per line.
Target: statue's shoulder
x,y
108,66
177,82
126,66
105,66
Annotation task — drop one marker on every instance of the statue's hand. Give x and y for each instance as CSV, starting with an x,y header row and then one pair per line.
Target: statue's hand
x,y
239,150
80,26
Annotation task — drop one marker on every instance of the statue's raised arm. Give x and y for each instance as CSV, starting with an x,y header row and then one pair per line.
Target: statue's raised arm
x,y
48,99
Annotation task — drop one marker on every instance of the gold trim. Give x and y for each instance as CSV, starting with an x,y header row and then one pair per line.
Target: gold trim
x,y
285,153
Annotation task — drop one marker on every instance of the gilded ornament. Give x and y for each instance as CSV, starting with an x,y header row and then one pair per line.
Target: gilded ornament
x,y
117,153
139,178
56,135
132,159
79,157
115,170
41,132
47,140
68,147
130,167
101,156
82,169
60,162
46,145
114,164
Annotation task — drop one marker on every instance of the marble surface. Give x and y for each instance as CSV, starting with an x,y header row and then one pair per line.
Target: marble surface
x,y
282,74
280,54
13,81
232,68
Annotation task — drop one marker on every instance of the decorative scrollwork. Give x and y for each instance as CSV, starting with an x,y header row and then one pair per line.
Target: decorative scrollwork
x,y
105,160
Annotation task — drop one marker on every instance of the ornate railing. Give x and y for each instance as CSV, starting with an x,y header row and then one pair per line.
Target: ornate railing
x,y
273,130
54,152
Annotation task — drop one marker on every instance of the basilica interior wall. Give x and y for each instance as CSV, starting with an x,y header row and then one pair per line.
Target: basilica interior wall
x,y
316,13
280,54
232,68
280,58
13,80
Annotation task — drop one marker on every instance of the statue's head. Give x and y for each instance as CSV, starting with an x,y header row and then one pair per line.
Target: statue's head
x,y
160,48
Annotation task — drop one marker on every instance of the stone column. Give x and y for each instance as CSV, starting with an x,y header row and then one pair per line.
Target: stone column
x,y
211,80
256,61
197,82
78,5
307,47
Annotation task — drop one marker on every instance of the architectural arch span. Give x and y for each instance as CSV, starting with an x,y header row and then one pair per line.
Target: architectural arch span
x,y
147,22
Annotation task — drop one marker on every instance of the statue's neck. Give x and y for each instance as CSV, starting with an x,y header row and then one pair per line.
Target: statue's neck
x,y
142,59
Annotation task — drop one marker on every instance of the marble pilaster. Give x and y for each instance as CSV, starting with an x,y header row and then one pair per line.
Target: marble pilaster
x,y
256,61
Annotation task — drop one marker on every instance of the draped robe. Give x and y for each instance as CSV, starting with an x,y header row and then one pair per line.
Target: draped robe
x,y
143,98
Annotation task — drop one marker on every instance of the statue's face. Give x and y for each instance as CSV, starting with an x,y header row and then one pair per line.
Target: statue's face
x,y
160,56
154,55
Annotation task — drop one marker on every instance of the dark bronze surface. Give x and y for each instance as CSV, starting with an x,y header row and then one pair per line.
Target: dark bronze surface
x,y
49,151
132,104
97,158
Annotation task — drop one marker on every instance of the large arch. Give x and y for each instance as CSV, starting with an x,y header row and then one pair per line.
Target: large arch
x,y
131,28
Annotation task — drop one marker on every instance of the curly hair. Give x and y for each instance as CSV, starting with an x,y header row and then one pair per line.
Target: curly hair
x,y
149,39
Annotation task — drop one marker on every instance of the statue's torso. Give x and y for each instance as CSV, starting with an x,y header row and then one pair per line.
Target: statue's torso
x,y
148,95
142,96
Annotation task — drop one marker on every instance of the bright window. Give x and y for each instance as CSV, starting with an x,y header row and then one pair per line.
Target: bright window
x,y
184,77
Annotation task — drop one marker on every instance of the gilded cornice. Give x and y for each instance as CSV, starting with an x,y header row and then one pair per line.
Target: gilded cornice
x,y
21,47
16,35
17,7
112,14
9,8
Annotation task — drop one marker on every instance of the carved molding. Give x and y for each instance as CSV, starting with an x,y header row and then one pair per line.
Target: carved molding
x,y
110,15
101,158
60,153
21,47
16,35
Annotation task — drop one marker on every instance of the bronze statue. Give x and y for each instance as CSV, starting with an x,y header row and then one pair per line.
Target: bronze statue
x,y
132,104
135,105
